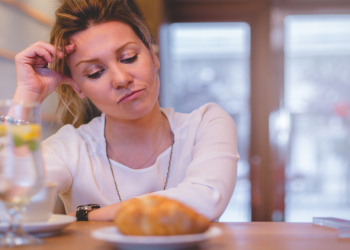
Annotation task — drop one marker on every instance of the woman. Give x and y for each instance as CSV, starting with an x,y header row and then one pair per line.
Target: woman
x,y
102,52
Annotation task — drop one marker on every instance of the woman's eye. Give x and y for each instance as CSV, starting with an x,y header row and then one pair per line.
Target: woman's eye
x,y
96,74
129,60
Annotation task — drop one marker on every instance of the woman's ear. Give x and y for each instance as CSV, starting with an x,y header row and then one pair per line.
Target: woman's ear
x,y
74,85
79,92
155,62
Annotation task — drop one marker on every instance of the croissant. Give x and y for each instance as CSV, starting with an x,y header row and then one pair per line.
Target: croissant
x,y
156,215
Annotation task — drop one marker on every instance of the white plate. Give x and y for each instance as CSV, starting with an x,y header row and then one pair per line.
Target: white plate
x,y
112,235
55,223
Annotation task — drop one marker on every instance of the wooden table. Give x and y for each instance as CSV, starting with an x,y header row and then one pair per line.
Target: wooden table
x,y
243,236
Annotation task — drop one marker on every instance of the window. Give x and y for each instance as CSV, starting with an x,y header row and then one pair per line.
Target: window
x,y
317,87
210,62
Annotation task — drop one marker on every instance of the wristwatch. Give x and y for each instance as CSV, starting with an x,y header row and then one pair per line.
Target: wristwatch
x,y
83,210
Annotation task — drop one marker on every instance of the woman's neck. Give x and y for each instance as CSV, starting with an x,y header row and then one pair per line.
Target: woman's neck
x,y
130,132
138,143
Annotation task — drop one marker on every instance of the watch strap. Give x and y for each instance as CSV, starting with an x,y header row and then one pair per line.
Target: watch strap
x,y
83,210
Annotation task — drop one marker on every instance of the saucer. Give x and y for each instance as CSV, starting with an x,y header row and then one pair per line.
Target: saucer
x,y
55,223
112,235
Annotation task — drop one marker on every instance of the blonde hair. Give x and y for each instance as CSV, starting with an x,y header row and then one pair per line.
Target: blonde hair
x,y
78,15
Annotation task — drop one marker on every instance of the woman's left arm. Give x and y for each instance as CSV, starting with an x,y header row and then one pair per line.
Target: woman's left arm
x,y
211,175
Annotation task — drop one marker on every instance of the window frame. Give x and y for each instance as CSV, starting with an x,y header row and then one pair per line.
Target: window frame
x,y
266,18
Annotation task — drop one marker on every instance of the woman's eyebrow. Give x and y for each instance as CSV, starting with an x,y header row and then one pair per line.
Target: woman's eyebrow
x,y
97,60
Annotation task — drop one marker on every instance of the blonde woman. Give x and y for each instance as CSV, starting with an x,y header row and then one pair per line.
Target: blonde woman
x,y
101,51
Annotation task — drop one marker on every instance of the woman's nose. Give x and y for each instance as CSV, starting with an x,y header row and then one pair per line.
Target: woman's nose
x,y
121,77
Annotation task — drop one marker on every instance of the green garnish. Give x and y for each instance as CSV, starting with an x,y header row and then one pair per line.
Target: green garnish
x,y
33,145
17,140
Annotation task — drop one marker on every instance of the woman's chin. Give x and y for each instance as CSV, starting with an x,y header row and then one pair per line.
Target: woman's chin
x,y
134,111
140,111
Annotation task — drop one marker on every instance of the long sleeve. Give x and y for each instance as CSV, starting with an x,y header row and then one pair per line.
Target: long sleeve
x,y
210,176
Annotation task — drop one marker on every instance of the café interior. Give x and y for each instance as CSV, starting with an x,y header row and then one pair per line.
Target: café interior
x,y
280,68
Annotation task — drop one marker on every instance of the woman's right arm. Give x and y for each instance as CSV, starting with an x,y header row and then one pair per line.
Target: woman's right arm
x,y
35,81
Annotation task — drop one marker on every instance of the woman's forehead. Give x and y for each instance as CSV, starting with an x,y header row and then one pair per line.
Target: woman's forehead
x,y
95,34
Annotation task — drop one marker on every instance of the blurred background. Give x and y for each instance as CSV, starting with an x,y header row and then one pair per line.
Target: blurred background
x,y
280,68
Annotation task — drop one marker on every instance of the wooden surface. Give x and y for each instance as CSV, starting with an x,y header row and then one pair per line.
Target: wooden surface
x,y
251,235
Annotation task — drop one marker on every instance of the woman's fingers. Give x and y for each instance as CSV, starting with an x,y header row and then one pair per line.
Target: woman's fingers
x,y
34,55
40,63
70,49
41,53
51,49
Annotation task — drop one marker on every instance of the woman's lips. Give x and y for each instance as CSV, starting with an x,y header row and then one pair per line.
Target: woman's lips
x,y
130,96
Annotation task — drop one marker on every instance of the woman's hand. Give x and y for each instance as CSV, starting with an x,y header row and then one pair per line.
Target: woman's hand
x,y
35,81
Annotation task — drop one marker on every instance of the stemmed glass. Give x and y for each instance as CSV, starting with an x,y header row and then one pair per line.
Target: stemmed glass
x,y
21,170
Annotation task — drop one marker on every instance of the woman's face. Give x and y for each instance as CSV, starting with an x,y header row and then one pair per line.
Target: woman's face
x,y
115,70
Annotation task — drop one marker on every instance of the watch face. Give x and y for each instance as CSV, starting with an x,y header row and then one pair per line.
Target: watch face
x,y
88,207
94,206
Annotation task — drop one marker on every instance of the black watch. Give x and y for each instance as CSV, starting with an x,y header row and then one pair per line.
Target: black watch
x,y
83,210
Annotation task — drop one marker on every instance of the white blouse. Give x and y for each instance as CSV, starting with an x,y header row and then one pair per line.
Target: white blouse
x,y
203,167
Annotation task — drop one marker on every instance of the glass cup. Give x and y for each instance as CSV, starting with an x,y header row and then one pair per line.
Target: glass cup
x,y
41,205
21,170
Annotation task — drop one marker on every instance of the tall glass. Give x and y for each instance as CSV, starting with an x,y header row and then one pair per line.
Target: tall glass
x,y
21,170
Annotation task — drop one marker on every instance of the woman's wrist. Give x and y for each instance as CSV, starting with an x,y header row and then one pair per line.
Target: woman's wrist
x,y
105,213
27,96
